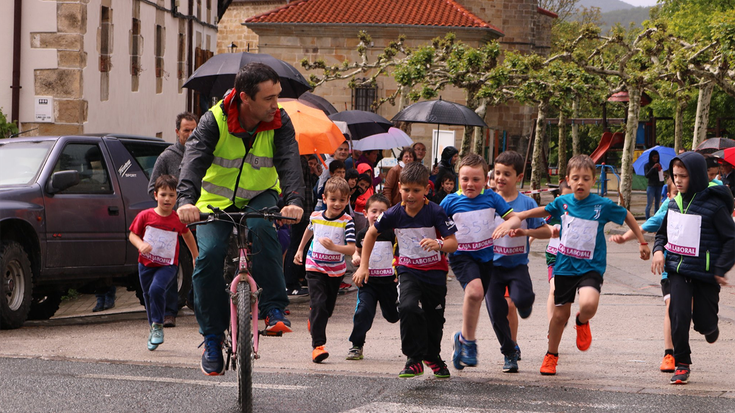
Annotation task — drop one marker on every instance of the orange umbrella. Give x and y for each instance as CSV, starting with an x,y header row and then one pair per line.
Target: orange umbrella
x,y
315,132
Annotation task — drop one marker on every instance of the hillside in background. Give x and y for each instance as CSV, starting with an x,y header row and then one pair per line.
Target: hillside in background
x,y
636,15
605,5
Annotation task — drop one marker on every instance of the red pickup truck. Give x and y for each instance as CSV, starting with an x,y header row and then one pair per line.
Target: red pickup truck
x,y
65,207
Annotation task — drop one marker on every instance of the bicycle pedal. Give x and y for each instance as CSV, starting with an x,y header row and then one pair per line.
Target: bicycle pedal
x,y
270,333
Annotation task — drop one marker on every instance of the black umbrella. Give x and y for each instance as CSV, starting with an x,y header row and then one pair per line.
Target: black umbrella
x,y
362,123
440,112
715,144
217,74
318,102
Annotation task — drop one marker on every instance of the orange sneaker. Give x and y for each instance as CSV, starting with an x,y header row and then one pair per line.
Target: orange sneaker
x,y
668,364
584,336
319,354
548,367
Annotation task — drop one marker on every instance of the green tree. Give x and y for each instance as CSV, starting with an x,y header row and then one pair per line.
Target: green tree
x,y
7,129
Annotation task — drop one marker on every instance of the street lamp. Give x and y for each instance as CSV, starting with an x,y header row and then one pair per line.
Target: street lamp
x,y
232,47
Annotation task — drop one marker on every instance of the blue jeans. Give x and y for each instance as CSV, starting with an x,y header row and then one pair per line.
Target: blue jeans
x,y
211,301
653,195
153,281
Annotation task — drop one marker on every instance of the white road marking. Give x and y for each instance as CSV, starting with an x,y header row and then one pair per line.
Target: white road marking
x,y
193,382
379,407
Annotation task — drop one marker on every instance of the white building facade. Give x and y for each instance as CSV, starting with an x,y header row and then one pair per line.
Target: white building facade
x,y
89,66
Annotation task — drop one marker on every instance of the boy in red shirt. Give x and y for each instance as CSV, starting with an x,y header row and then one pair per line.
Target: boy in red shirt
x,y
154,232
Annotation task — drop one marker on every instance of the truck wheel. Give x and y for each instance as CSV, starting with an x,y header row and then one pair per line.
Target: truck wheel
x,y
45,306
15,285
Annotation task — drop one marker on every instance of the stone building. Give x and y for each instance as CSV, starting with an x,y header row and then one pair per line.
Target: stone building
x,y
327,29
86,66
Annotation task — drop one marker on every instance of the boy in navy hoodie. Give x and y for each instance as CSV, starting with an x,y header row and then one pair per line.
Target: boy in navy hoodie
x,y
698,234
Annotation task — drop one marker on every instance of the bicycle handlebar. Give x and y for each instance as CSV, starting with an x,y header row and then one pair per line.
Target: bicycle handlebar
x,y
271,214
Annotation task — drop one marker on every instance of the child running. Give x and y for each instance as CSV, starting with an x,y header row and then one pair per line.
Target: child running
x,y
510,263
581,257
698,235
551,249
653,224
334,237
423,232
473,210
382,286
155,233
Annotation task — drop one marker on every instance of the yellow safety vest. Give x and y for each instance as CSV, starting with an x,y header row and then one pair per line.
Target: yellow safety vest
x,y
236,176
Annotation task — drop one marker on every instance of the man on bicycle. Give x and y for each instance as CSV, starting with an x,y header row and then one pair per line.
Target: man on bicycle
x,y
242,155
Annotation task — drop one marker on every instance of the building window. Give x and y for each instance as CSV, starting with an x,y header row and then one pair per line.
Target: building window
x,y
364,97
181,60
136,46
209,11
159,58
105,63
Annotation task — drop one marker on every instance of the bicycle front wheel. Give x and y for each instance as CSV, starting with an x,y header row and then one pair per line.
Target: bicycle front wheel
x,y
244,349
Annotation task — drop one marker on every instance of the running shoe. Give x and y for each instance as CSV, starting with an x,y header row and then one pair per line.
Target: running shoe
x,y
469,358
465,354
681,375
548,367
319,354
584,335
458,350
524,313
276,322
412,369
668,364
439,367
518,352
511,363
213,364
712,337
344,288
169,321
155,336
355,353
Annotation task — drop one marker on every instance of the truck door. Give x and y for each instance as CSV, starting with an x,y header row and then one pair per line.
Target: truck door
x,y
85,223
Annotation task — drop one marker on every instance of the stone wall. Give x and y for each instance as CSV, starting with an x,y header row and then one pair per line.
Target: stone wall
x,y
64,83
231,29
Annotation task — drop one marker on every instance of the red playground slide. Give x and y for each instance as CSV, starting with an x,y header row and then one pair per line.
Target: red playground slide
x,y
608,140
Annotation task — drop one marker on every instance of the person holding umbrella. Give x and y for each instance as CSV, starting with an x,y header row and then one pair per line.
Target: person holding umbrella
x,y
242,155
450,155
655,174
390,190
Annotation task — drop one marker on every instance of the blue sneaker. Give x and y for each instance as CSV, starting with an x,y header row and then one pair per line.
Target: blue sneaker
x,y
155,337
518,352
470,354
213,364
457,354
276,322
511,363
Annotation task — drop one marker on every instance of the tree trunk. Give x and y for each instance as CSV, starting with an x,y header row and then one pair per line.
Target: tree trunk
x,y
562,164
681,105
631,129
575,128
702,117
479,133
538,149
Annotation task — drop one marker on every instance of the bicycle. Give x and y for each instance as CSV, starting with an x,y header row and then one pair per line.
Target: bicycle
x,y
240,342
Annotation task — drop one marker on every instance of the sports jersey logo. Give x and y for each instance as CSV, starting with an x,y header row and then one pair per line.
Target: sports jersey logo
x,y
598,211
449,223
566,206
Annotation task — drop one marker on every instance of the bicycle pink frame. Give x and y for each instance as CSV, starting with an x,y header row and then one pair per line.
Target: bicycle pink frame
x,y
253,308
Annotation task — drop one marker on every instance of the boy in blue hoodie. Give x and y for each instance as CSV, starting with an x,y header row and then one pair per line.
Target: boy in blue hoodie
x,y
698,235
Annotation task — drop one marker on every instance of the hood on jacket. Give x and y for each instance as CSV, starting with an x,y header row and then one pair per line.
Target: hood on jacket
x,y
697,168
447,155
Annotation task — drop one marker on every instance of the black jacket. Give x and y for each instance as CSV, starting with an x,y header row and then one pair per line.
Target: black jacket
x,y
446,167
714,204
200,153
168,163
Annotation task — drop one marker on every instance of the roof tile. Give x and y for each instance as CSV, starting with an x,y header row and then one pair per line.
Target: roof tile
x,y
441,13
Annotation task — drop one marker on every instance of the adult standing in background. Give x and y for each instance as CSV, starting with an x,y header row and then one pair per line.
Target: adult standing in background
x,y
169,163
420,151
655,174
450,155
341,153
391,190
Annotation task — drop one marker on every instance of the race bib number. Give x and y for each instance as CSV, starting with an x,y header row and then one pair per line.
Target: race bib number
x,y
381,260
474,229
411,252
578,237
163,243
683,232
336,233
508,245
553,246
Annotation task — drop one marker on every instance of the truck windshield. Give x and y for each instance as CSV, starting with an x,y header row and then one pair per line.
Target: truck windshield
x,y
21,161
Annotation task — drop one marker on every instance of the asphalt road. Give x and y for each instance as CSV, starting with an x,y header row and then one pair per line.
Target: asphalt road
x,y
34,385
